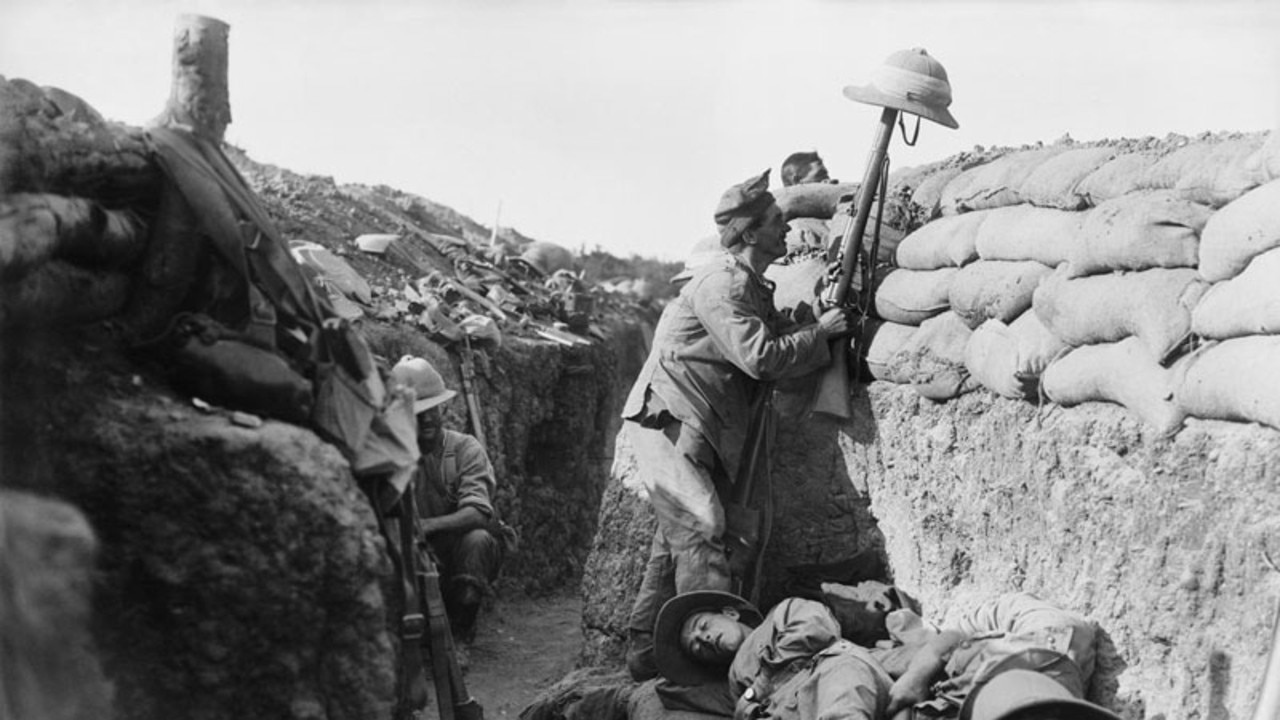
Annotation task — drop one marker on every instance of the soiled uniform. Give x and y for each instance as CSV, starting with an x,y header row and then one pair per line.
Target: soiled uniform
x,y
457,475
796,665
688,414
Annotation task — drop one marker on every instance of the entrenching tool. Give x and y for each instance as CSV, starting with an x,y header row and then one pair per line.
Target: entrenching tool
x,y
909,81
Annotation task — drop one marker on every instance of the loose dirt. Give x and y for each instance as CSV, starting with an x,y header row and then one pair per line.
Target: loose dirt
x,y
522,646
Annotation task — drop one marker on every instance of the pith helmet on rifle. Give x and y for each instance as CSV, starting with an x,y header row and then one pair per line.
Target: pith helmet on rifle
x,y
911,81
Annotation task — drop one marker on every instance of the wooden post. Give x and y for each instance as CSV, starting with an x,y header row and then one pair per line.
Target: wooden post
x,y
198,97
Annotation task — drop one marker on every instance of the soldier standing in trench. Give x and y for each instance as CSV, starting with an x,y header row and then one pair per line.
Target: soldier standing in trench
x,y
717,345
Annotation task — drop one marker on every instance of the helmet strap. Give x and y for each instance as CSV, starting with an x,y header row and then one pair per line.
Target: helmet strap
x,y
903,126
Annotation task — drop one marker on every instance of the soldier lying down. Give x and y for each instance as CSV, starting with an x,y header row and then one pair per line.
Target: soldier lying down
x,y
1014,657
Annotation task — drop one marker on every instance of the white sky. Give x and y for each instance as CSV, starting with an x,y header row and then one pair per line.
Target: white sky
x,y
619,123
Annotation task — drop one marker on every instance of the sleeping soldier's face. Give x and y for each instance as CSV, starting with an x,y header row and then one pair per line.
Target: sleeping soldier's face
x,y
713,636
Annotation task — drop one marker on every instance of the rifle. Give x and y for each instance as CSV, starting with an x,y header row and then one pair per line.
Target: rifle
x,y
452,698
833,391
746,528
469,390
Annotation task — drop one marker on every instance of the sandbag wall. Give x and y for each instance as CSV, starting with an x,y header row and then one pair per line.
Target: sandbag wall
x,y
1136,273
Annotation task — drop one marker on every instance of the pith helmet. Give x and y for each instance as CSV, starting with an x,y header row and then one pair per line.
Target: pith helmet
x,y
911,81
546,258
1014,691
428,387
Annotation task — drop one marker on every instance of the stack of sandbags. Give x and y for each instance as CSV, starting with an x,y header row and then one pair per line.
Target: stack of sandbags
x,y
1233,376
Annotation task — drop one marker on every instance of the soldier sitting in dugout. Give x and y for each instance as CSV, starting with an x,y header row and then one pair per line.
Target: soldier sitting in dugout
x,y
1015,657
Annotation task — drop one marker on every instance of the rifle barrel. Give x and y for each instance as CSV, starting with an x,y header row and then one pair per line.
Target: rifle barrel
x,y
851,243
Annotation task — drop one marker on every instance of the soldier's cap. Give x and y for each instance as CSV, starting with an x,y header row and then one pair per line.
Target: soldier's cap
x,y
669,655
741,205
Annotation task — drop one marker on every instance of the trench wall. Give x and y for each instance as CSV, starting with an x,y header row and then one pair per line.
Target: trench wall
x,y
1161,540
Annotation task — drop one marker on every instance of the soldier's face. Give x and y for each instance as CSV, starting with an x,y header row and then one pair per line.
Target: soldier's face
x,y
815,173
770,237
430,427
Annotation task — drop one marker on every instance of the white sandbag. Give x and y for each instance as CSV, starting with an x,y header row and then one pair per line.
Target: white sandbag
x,y
997,289
1265,162
797,285
1239,232
928,194
933,358
1232,380
1055,183
991,357
1121,373
996,183
1155,305
1026,232
910,297
886,339
1117,177
1247,304
1224,174
945,242
812,200
1009,359
1209,172
1139,231
806,235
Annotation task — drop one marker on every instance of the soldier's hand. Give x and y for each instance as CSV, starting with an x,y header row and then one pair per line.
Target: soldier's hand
x,y
836,322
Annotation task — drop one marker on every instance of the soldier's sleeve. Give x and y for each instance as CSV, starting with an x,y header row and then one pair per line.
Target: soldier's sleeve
x,y
742,333
476,483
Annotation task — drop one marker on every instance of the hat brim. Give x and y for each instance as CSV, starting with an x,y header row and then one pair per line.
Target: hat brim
x,y
872,96
428,403
673,664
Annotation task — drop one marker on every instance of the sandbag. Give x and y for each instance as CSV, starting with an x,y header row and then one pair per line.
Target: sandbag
x,y
812,200
1117,177
1248,304
1009,359
910,297
1155,305
945,242
1232,380
884,341
991,357
1213,173
1121,373
996,184
933,359
1054,184
1239,232
1265,161
995,289
797,285
928,195
1139,231
1026,232
806,235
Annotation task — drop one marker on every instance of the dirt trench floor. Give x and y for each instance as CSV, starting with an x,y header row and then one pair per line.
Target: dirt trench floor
x,y
522,646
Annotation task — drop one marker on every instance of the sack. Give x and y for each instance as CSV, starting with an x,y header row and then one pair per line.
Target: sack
x,y
221,367
1247,304
886,339
1232,380
928,194
1116,178
1213,173
995,289
933,359
945,242
1137,232
1025,232
1054,183
1154,305
1009,359
1240,232
1121,373
996,184
910,297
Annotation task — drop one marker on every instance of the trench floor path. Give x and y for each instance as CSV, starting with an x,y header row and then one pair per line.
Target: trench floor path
x,y
522,646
